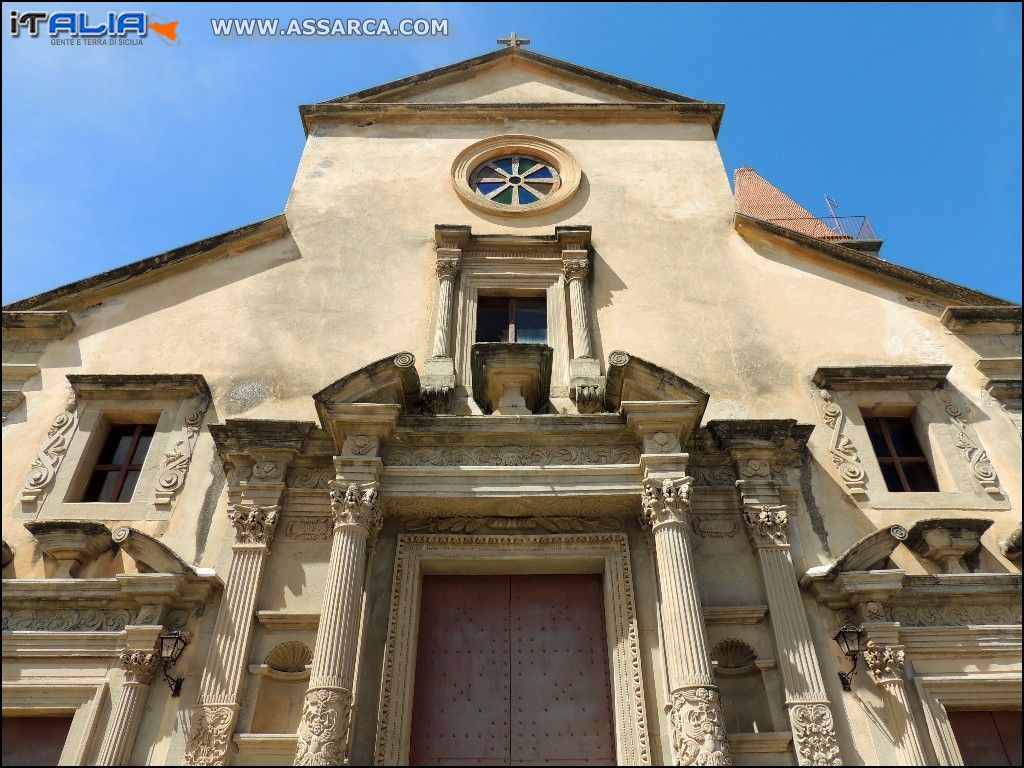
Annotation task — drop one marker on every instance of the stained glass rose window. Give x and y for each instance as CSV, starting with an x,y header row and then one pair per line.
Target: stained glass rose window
x,y
514,179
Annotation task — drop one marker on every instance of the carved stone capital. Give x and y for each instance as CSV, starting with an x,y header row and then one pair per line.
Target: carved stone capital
x,y
575,269
698,734
665,503
814,735
325,727
355,506
211,734
885,662
139,666
254,524
767,524
447,267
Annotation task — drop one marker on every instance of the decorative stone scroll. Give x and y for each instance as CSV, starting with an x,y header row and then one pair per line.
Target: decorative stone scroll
x,y
44,469
976,457
175,464
841,448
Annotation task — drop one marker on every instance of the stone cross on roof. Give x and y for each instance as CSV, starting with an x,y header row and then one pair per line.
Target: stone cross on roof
x,y
514,41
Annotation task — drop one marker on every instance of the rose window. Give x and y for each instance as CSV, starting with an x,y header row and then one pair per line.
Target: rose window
x,y
514,180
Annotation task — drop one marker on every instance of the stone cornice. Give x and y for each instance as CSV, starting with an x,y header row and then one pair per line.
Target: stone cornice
x,y
891,377
124,590
84,292
36,325
575,237
983,319
635,379
150,386
784,439
868,264
246,435
417,83
319,114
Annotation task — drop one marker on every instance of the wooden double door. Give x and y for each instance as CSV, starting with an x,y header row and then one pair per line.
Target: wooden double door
x,y
512,670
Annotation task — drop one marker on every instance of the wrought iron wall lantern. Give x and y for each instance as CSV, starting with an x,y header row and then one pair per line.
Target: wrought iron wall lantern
x,y
172,645
848,639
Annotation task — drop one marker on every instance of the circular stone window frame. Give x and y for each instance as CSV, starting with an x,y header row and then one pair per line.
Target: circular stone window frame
x,y
472,157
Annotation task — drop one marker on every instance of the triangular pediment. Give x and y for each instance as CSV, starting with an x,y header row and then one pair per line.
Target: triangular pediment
x,y
513,76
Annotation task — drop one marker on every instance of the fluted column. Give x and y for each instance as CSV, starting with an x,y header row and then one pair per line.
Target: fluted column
x,y
214,716
767,522
698,731
885,662
576,267
119,739
447,270
325,729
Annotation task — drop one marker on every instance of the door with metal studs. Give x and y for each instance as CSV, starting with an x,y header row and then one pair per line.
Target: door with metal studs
x,y
512,670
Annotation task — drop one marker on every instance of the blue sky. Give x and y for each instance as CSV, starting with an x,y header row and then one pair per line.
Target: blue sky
x,y
910,114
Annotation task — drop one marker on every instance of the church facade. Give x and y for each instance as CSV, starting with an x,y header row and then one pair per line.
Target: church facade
x,y
518,438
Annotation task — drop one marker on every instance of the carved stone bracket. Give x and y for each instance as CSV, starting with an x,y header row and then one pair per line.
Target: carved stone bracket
x,y
977,459
841,449
175,464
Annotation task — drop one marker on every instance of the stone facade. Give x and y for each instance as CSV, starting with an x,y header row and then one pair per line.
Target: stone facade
x,y
693,430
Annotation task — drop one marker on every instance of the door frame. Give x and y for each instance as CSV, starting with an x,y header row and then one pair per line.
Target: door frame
x,y
603,553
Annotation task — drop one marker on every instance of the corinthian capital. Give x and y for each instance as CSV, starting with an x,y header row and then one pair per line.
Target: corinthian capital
x,y
139,666
356,506
767,524
447,266
575,269
884,661
254,524
667,502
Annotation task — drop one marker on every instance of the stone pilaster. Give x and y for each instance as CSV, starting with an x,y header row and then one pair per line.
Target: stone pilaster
x,y
326,726
767,522
119,739
254,513
885,662
695,713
